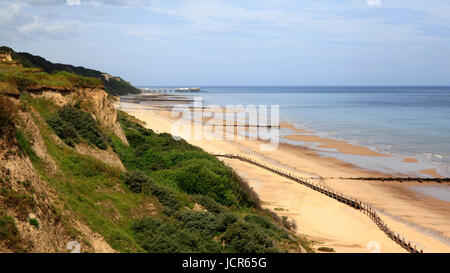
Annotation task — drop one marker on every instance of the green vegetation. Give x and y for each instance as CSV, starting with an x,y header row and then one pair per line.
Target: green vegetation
x,y
114,86
246,238
23,203
9,235
187,175
139,182
149,207
24,145
72,124
326,249
16,78
92,190
165,235
181,166
34,222
7,111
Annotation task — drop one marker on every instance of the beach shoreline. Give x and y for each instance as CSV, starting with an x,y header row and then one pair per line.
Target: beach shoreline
x,y
349,231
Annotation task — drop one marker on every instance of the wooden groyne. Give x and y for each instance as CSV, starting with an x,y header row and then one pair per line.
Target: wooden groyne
x,y
352,202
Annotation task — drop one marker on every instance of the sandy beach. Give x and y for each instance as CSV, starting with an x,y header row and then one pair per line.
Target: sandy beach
x,y
423,220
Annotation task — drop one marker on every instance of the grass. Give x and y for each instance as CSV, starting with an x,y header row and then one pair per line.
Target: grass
x,y
9,235
22,202
7,114
15,78
24,145
164,174
91,189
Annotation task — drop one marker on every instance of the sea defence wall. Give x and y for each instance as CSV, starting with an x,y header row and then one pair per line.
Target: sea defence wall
x,y
352,202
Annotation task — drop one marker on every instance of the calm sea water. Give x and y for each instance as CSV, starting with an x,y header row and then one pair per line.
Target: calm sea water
x,y
404,121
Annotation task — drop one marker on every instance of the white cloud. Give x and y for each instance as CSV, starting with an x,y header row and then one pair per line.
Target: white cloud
x,y
16,24
373,2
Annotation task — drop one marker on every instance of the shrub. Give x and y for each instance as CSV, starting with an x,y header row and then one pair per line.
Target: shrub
x,y
268,225
84,124
197,221
226,219
202,177
64,130
290,225
248,196
242,237
164,235
34,222
209,204
135,180
139,182
165,197
71,124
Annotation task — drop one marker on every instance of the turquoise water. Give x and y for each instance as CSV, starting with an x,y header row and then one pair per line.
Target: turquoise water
x,y
403,121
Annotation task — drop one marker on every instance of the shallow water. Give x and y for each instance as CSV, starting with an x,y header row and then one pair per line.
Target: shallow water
x,y
441,192
402,121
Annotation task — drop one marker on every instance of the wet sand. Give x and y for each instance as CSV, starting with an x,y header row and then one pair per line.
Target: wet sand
x,y
418,217
410,160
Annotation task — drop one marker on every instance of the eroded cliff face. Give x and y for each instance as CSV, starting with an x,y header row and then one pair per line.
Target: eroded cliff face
x,y
95,101
100,105
42,223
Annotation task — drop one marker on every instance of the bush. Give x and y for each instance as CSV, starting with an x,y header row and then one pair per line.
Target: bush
x,y
191,169
209,204
196,221
269,227
135,180
71,124
84,124
64,130
139,182
34,222
165,197
163,235
226,219
202,177
242,237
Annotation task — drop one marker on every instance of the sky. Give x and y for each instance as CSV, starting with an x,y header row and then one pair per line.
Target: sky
x,y
246,42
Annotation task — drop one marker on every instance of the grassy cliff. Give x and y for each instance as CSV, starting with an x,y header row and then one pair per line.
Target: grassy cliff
x,y
113,85
161,195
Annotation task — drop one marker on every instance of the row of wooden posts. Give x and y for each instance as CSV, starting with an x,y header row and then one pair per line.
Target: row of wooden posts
x,y
352,202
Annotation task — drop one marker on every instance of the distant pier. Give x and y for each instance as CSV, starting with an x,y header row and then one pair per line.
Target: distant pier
x,y
172,90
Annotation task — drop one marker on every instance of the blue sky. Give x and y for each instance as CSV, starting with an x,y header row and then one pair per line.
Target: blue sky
x,y
247,42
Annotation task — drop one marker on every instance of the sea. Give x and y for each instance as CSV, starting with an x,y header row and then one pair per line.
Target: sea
x,y
399,121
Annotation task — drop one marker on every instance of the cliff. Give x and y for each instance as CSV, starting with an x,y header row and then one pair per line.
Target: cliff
x,y
74,171
113,85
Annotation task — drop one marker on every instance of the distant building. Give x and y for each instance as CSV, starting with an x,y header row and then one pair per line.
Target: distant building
x,y
5,57
188,89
